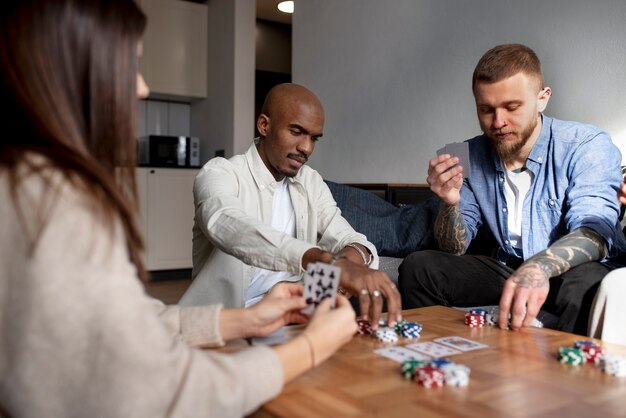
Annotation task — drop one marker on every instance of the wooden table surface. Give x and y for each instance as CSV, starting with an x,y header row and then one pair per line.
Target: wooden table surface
x,y
518,375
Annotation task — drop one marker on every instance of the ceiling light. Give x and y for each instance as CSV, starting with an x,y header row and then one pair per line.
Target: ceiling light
x,y
285,6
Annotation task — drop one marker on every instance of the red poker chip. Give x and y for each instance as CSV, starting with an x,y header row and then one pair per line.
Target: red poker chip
x,y
364,327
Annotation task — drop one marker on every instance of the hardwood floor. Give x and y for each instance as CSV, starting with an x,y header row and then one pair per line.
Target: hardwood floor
x,y
168,291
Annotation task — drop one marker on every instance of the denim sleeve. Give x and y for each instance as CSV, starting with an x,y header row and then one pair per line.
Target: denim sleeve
x,y
594,177
470,211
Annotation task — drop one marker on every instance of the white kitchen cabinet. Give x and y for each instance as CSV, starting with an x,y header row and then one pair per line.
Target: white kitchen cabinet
x,y
167,212
174,59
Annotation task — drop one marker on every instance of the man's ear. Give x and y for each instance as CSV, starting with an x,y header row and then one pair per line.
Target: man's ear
x,y
262,124
542,98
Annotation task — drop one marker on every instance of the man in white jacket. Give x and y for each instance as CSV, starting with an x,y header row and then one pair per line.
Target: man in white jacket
x,y
263,216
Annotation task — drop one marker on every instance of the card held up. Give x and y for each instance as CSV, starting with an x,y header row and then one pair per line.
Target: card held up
x,y
461,151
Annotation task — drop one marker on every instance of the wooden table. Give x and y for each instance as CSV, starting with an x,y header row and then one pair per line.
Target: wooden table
x,y
518,375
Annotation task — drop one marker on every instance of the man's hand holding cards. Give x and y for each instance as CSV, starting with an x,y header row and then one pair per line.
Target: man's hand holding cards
x,y
461,151
321,281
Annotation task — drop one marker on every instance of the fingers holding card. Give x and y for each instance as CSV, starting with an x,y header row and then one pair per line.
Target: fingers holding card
x,y
321,281
461,151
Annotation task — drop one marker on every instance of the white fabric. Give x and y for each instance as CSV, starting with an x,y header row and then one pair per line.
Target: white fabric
x,y
516,187
232,233
80,338
283,219
609,309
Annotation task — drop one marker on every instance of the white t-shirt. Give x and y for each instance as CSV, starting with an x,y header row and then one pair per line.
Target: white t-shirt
x,y
284,220
516,187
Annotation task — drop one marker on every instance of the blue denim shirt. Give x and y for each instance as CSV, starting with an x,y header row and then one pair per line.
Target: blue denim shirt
x,y
577,172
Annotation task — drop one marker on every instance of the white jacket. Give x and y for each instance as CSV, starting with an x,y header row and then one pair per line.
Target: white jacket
x,y
232,233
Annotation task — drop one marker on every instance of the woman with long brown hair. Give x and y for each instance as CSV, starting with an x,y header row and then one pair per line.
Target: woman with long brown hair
x,y
79,335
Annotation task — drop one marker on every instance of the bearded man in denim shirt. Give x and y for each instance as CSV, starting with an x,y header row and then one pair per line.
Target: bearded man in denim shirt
x,y
543,188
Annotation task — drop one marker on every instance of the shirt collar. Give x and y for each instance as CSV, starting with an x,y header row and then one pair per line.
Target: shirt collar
x,y
261,174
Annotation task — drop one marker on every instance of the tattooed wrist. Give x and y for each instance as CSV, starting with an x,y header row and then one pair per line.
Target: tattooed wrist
x,y
450,230
531,276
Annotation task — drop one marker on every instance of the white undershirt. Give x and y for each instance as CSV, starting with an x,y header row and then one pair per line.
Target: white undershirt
x,y
516,187
283,220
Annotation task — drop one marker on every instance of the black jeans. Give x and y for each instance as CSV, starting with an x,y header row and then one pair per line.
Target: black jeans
x,y
436,278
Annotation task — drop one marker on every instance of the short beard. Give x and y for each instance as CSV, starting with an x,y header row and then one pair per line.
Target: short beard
x,y
506,150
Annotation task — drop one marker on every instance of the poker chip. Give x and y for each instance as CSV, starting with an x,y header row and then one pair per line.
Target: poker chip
x,y
592,353
440,362
399,325
410,330
614,365
491,319
479,311
409,366
436,373
386,335
474,320
429,376
364,327
456,374
571,355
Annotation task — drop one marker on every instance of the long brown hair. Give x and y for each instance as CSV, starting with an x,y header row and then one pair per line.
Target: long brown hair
x,y
68,74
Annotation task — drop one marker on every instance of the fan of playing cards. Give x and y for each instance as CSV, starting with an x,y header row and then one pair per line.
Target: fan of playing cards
x,y
321,281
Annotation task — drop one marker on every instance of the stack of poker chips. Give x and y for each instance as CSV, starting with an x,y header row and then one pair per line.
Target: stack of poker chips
x,y
474,319
571,355
364,327
404,328
410,330
435,373
456,374
409,366
429,376
386,335
592,352
614,365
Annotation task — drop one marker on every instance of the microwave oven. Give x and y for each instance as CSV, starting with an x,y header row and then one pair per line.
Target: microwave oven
x,y
168,151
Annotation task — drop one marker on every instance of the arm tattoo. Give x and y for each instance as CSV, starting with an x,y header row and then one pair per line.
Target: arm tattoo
x,y
577,247
450,231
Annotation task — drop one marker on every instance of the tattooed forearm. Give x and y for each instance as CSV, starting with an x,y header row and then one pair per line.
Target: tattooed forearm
x,y
450,231
577,247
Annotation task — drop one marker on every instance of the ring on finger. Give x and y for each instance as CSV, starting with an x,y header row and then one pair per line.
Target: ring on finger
x,y
364,292
376,293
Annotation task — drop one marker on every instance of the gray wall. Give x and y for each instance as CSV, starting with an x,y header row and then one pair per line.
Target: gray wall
x,y
395,76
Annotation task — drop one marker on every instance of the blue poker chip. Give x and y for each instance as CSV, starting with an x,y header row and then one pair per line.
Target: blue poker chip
x,y
479,311
585,343
411,330
439,362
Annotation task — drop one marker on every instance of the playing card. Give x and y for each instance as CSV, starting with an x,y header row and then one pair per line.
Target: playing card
x,y
321,281
400,354
461,151
460,343
433,349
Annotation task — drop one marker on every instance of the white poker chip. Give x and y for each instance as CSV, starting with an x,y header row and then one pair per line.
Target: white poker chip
x,y
614,365
386,335
456,374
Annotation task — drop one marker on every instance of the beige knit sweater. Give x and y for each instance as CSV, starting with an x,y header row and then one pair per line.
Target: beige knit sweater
x,y
80,338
